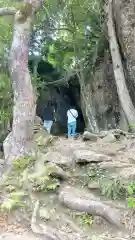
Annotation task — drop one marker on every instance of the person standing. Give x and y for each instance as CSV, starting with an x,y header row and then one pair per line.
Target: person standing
x,y
48,116
72,115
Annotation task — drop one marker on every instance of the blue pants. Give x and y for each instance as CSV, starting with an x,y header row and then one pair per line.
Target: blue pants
x,y
48,125
72,129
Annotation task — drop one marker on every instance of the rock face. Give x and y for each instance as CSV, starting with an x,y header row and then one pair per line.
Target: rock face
x,y
86,156
101,97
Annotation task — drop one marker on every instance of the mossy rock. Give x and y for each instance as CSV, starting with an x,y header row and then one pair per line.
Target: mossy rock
x,y
42,138
55,171
49,169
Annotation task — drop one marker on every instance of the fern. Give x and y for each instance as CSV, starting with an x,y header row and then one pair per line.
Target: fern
x,y
113,188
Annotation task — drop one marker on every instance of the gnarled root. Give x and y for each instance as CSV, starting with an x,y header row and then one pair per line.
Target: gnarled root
x,y
94,207
39,229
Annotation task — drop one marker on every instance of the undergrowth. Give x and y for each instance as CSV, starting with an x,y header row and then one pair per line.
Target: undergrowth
x,y
22,181
113,188
131,195
85,219
110,188
93,174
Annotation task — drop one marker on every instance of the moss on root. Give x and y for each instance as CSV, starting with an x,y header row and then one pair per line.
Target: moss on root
x,y
23,180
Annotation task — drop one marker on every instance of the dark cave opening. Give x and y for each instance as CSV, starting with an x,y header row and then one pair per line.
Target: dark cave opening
x,y
70,96
63,97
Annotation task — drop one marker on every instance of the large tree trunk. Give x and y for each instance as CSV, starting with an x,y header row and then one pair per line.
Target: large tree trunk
x,y
19,142
123,92
90,118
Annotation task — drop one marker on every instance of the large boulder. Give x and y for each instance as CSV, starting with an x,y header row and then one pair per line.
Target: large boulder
x,y
87,156
89,136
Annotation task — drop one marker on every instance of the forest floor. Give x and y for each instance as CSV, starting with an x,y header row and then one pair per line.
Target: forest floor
x,y
90,202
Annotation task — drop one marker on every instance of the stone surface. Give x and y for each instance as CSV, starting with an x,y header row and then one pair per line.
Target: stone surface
x,y
114,164
1,161
58,158
103,134
109,138
48,168
127,173
55,171
89,136
11,236
94,185
86,156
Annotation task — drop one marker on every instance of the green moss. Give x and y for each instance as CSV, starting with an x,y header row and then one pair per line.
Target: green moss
x,y
22,163
15,200
23,180
44,182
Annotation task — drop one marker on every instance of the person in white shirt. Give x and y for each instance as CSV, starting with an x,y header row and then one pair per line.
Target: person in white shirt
x,y
72,115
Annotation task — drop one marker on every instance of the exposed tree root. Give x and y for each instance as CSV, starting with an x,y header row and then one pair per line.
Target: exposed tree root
x,y
95,207
39,229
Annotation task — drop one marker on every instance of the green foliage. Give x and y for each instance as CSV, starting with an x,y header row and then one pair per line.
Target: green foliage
x,y
93,174
73,34
85,219
131,127
16,200
6,26
44,183
22,163
5,98
131,195
23,180
113,188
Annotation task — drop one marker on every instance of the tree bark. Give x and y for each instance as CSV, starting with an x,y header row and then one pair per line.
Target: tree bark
x,y
122,89
7,11
91,120
19,142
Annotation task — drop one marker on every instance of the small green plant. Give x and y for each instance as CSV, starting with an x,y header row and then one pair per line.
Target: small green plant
x,y
22,163
85,219
131,195
23,180
113,188
94,174
44,183
15,200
